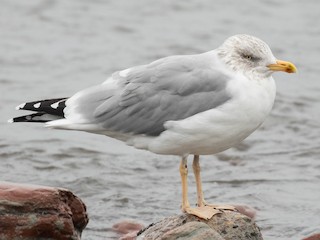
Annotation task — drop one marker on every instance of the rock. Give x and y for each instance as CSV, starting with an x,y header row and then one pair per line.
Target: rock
x,y
34,212
228,225
192,230
246,210
128,229
313,237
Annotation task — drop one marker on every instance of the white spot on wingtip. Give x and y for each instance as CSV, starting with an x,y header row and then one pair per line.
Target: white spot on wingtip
x,y
10,120
55,105
37,105
20,106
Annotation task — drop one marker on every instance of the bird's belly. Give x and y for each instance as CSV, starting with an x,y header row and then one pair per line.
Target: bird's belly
x,y
209,132
212,139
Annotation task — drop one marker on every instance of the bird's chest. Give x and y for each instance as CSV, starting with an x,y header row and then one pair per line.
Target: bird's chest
x,y
221,128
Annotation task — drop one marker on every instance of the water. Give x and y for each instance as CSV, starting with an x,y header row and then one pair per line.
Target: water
x,y
53,48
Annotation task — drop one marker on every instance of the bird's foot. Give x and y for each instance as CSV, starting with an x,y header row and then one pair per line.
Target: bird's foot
x,y
220,206
204,212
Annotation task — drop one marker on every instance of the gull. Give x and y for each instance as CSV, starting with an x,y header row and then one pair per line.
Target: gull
x,y
181,105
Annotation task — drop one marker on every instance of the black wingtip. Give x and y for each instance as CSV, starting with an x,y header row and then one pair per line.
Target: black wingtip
x,y
36,117
50,106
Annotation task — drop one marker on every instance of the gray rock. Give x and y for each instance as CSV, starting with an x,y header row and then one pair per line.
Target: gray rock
x,y
228,225
192,230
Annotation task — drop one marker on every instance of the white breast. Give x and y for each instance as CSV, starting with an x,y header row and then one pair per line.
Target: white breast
x,y
217,129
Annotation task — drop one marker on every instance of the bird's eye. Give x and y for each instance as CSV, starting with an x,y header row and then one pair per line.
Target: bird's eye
x,y
249,57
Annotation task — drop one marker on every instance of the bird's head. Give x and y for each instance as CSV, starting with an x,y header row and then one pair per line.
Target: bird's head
x,y
252,57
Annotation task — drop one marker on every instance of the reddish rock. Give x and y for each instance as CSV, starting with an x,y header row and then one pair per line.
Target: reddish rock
x,y
246,210
313,237
128,229
29,212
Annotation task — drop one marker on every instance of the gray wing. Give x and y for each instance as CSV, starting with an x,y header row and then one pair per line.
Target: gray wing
x,y
172,88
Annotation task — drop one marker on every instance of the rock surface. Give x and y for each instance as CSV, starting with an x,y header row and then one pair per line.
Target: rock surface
x,y
127,229
37,212
313,237
228,225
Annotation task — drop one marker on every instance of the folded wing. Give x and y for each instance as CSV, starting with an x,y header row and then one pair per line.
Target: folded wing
x,y
141,99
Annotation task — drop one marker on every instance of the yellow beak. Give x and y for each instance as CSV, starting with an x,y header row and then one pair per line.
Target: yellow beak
x,y
283,66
